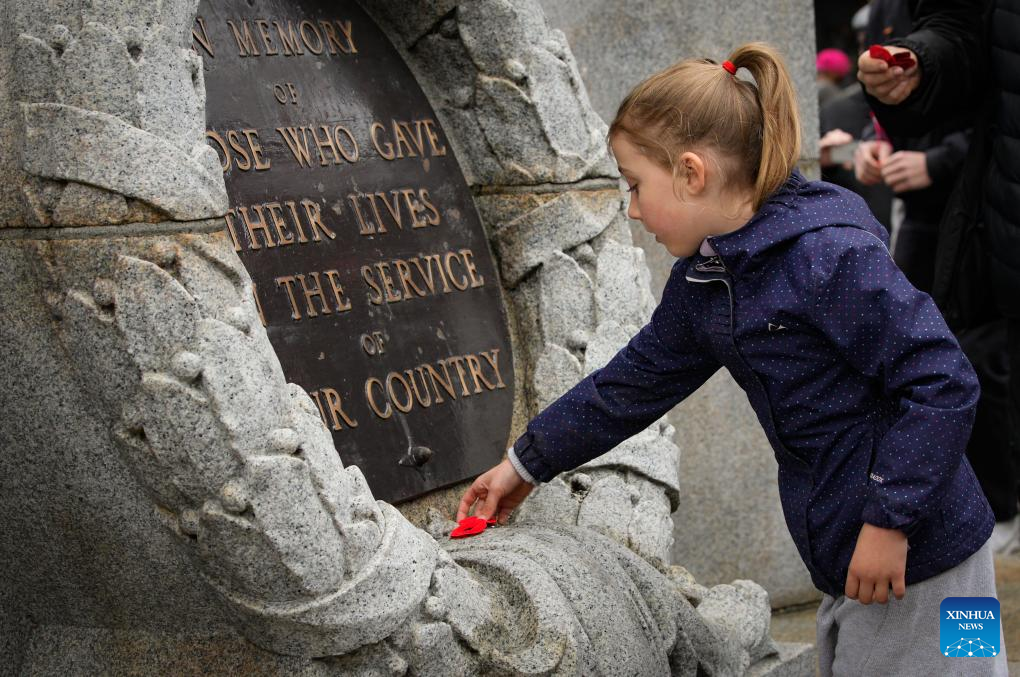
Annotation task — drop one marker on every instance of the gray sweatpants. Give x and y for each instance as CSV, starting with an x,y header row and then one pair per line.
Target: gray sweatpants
x,y
901,638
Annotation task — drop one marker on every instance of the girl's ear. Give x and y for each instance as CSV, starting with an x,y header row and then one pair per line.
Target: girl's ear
x,y
691,174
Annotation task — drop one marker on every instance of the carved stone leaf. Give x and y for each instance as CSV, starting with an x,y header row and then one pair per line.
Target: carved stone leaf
x,y
157,316
650,533
555,372
99,75
317,450
507,118
150,470
622,282
242,561
477,23
36,66
566,303
82,205
98,349
608,507
184,433
169,105
561,223
246,385
214,292
561,112
113,154
650,453
288,511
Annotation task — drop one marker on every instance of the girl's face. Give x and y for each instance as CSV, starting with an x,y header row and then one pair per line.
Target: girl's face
x,y
679,225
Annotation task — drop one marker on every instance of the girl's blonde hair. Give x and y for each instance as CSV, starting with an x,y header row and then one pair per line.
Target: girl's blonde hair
x,y
695,104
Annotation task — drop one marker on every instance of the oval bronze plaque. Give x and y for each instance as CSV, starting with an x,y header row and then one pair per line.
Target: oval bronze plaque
x,y
371,269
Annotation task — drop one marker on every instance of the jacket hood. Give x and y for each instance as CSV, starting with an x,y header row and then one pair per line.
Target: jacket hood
x,y
798,207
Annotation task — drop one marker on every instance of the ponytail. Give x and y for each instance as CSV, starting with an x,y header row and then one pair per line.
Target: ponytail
x,y
754,128
780,133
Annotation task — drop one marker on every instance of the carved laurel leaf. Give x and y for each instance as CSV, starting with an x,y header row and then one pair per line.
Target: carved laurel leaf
x,y
157,316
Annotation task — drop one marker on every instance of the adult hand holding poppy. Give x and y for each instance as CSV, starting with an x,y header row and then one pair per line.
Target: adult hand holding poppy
x,y
906,170
500,490
888,83
879,561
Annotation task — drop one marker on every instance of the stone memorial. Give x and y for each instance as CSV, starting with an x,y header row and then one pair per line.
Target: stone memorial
x,y
174,500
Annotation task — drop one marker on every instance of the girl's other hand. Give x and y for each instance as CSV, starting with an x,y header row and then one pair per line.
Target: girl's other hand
x,y
879,561
889,84
499,490
868,160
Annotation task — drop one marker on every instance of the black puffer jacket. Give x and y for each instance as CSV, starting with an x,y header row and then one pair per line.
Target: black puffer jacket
x,y
969,51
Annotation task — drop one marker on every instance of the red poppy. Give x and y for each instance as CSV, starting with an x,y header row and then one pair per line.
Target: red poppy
x,y
469,526
901,59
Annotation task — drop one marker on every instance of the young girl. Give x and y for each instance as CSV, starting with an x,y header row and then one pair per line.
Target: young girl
x,y
861,388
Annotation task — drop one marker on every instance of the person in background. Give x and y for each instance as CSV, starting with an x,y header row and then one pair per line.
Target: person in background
x,y
920,169
966,74
832,66
841,121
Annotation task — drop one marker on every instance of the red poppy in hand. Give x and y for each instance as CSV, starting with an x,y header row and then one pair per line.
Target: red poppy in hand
x,y
901,59
469,526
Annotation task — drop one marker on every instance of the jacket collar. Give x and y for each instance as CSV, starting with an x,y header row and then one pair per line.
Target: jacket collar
x,y
799,206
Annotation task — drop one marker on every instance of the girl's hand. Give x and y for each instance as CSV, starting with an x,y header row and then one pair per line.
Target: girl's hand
x,y
500,490
889,84
879,561
906,170
868,160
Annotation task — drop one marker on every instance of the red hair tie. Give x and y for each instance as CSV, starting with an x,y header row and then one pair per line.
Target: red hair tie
x,y
730,68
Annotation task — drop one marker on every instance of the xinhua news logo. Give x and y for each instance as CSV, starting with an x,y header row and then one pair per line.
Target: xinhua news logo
x,y
969,627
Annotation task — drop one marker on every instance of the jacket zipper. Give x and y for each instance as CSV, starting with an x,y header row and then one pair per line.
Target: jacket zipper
x,y
733,340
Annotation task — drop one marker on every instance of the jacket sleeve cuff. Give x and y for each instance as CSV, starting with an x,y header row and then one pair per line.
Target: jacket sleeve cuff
x,y
877,515
528,455
519,467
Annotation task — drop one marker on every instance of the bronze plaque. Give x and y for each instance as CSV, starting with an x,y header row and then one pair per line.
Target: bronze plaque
x,y
371,269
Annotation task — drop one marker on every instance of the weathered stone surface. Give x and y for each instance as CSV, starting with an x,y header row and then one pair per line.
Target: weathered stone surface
x,y
561,223
713,644
791,660
81,205
555,373
63,650
114,155
410,21
509,87
622,281
567,303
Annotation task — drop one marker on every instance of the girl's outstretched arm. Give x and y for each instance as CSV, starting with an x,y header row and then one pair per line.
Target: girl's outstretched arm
x,y
658,368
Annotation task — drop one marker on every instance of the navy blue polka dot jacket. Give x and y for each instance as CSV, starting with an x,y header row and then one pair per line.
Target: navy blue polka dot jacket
x,y
861,388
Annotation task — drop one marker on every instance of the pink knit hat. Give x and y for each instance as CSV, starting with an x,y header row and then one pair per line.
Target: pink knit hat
x,y
833,61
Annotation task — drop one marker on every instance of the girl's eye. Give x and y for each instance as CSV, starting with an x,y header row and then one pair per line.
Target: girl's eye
x,y
632,189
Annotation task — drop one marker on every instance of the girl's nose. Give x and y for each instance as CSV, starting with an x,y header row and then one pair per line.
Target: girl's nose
x,y
632,210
